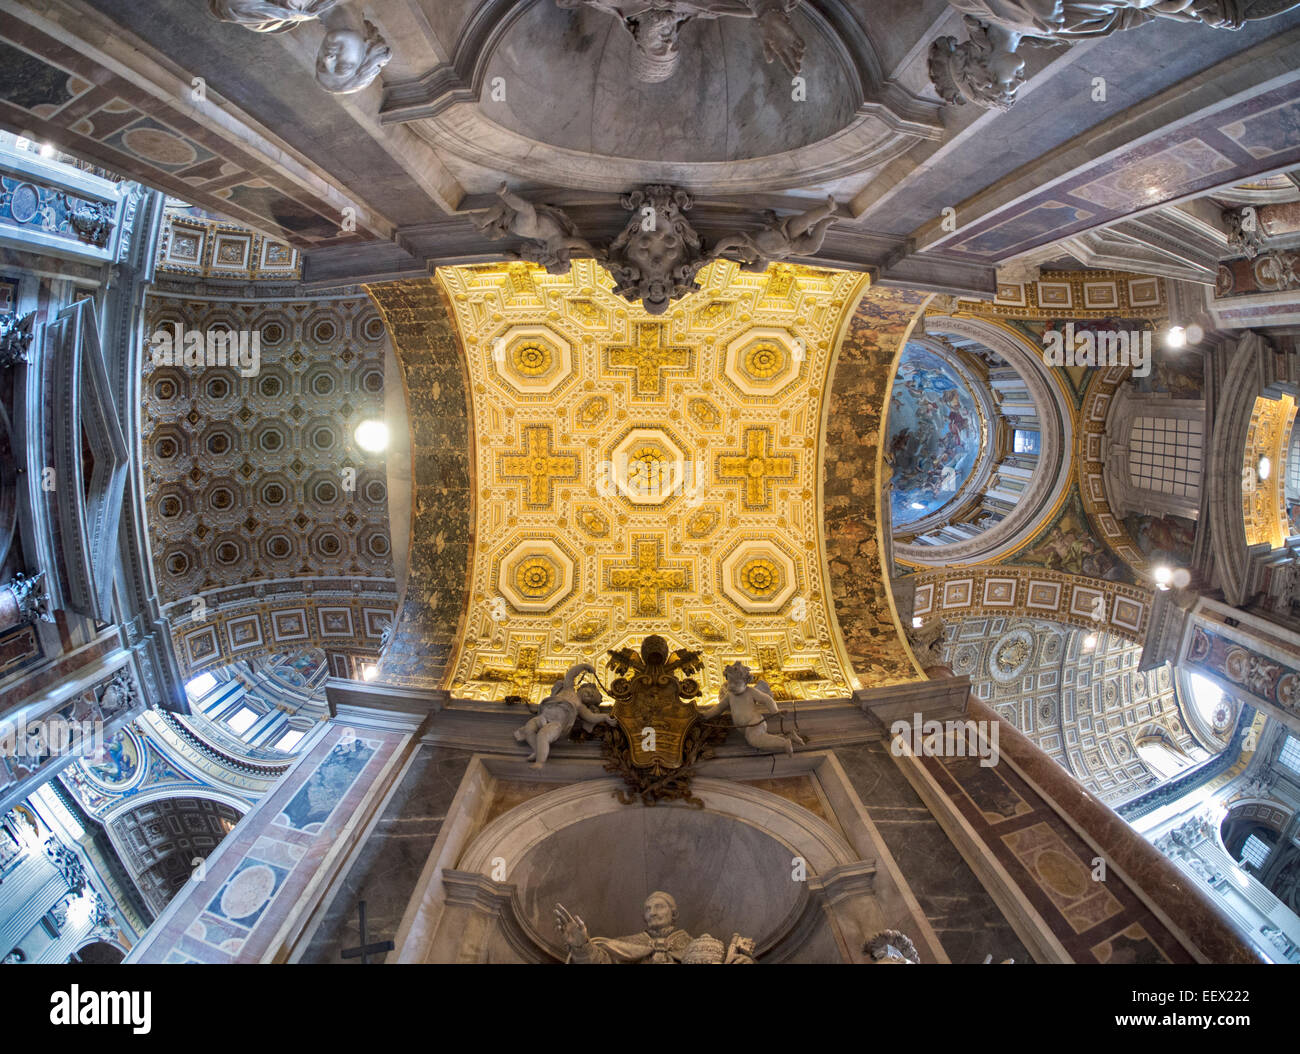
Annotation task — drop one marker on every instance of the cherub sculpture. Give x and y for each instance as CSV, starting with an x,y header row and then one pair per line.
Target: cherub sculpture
x,y
987,69
748,703
351,54
552,239
657,255
656,24
976,70
558,712
799,235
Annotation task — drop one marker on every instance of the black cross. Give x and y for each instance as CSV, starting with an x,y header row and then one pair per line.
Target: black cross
x,y
365,950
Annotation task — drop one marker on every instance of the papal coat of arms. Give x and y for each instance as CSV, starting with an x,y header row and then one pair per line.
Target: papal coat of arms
x,y
658,736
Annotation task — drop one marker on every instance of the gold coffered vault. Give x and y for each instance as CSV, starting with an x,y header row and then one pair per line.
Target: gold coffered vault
x,y
640,475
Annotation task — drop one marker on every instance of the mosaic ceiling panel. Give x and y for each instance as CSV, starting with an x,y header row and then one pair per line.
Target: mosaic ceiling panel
x,y
642,474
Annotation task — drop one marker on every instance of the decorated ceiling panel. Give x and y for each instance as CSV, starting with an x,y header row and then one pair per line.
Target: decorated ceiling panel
x,y
641,474
268,525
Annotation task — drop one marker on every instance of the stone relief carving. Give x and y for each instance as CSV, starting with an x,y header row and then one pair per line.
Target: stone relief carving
x,y
560,710
1279,269
352,52
748,704
987,69
974,70
120,694
30,596
91,220
660,942
16,337
67,863
657,255
1244,234
656,25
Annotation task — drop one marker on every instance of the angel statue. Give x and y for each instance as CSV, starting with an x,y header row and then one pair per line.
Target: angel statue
x,y
656,24
551,238
989,65
799,235
661,942
558,712
748,703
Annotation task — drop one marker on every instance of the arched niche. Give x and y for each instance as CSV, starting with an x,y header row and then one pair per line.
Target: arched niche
x,y
749,862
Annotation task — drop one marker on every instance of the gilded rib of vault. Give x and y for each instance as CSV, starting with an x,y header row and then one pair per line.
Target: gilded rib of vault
x,y
638,474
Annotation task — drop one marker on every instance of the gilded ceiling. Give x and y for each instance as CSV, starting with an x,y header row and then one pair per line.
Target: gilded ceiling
x,y
639,474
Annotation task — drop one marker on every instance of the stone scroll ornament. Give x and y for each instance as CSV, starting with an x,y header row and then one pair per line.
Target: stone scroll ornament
x,y
352,52
655,258
987,69
656,26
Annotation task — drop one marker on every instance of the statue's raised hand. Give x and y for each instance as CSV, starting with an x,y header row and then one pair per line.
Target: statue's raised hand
x,y
573,929
780,41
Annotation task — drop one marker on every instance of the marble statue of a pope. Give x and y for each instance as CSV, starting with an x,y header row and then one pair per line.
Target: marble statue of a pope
x,y
661,942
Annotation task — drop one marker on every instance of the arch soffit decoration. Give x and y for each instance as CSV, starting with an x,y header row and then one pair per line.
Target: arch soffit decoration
x,y
874,330
1250,375
444,103
174,790
1051,480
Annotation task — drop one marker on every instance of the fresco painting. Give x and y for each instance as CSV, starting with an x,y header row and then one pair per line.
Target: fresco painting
x,y
934,435
1163,539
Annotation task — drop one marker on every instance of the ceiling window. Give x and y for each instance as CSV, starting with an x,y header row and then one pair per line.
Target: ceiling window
x,y
1290,754
1165,456
1255,851
242,720
197,687
289,741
